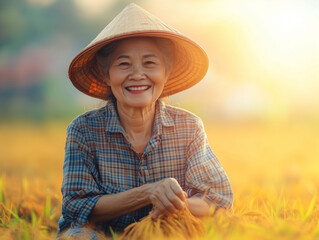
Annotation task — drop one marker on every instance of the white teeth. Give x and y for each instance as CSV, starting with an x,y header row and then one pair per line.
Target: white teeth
x,y
137,88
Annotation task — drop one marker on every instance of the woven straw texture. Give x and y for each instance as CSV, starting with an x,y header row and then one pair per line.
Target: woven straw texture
x,y
190,60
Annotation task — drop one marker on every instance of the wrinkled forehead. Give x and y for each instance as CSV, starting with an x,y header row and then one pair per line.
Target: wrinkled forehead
x,y
142,45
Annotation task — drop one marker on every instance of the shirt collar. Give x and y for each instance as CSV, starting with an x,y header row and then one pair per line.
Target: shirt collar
x,y
112,119
162,118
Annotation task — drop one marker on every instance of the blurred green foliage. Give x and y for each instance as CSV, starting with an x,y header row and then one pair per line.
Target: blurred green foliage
x,y
23,23
37,43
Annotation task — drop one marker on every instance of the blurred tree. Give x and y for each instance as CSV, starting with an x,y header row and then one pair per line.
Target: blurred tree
x,y
37,42
23,22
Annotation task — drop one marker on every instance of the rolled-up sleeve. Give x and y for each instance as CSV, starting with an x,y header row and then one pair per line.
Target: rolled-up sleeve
x,y
80,189
204,174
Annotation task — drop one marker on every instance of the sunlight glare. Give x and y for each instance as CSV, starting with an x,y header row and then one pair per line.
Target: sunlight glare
x,y
94,7
286,36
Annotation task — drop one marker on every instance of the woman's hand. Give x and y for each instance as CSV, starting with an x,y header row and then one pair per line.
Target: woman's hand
x,y
167,197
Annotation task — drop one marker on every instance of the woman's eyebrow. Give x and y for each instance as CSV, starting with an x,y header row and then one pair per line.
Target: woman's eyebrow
x,y
149,55
122,56
144,56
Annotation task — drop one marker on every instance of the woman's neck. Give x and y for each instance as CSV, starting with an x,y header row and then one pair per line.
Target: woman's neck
x,y
138,124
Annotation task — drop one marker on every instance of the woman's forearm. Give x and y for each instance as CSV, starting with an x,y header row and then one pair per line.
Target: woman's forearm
x,y
166,196
115,205
198,206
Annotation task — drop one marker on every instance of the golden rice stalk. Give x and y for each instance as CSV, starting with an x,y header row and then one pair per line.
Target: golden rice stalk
x,y
182,225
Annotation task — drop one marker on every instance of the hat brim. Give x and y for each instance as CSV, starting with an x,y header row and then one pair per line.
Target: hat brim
x,y
190,65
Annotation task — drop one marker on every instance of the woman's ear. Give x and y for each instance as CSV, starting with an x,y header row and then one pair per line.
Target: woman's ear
x,y
107,80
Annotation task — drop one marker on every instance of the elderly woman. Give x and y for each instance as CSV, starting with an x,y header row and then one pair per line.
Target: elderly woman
x,y
138,153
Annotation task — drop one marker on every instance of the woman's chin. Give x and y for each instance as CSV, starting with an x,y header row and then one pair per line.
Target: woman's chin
x,y
140,103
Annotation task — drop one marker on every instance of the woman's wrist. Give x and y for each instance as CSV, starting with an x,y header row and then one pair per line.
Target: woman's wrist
x,y
145,192
198,206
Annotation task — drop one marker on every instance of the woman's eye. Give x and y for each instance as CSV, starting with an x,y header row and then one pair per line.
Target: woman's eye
x,y
124,64
149,62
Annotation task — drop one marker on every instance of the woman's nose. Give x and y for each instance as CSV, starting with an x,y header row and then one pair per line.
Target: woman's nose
x,y
137,72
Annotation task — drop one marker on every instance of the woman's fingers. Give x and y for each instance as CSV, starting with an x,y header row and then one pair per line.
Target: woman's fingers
x,y
168,197
156,214
176,188
162,199
177,200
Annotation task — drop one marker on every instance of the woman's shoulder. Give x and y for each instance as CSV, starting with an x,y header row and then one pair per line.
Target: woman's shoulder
x,y
178,114
92,117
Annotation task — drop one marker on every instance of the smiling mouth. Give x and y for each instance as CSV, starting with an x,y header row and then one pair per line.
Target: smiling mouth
x,y
137,89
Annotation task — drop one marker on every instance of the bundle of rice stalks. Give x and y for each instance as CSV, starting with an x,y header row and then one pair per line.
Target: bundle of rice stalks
x,y
182,225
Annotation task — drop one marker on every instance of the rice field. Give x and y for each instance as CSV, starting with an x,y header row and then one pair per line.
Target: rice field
x,y
273,169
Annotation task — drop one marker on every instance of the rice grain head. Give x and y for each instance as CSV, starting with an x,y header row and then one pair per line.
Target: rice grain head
x,y
182,225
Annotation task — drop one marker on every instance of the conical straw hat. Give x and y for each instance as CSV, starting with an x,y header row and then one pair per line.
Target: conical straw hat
x,y
190,60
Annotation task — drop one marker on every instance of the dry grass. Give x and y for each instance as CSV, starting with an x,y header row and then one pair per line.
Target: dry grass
x,y
181,225
273,169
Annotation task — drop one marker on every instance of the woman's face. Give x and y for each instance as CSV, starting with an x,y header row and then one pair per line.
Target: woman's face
x,y
137,72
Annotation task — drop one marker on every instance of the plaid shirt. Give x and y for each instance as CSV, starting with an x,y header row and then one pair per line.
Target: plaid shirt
x,y
99,160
